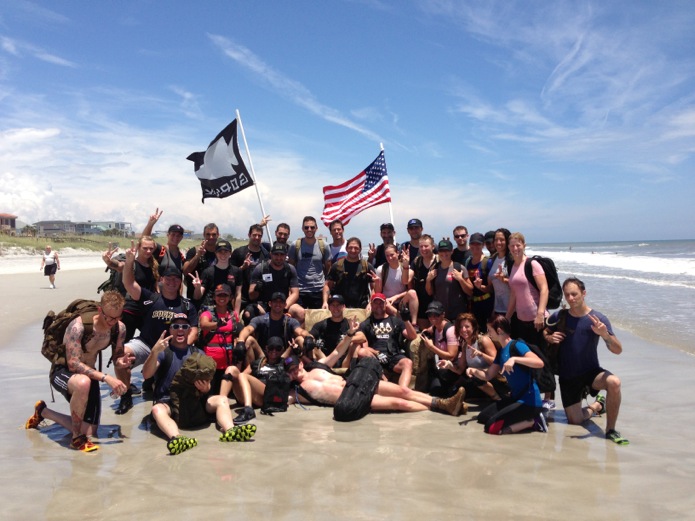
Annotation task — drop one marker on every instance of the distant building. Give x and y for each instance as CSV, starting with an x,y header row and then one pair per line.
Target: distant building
x,y
55,227
8,223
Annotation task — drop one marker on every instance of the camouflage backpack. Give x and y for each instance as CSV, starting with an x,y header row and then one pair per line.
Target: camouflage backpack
x,y
55,325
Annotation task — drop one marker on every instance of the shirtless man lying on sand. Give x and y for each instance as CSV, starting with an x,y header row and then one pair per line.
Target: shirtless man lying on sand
x,y
325,387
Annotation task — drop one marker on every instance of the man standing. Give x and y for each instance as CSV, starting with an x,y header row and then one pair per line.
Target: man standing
x,y
336,229
413,245
577,332
76,378
159,310
382,335
376,255
50,263
351,277
461,252
197,259
246,258
312,258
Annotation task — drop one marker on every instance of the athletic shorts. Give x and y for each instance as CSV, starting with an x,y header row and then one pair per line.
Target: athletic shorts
x,y
59,381
312,300
50,269
140,349
508,412
393,361
572,389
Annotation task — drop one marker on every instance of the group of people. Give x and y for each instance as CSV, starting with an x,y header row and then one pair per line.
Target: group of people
x,y
216,321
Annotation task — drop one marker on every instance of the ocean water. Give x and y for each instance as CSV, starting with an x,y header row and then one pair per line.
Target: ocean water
x,y
645,287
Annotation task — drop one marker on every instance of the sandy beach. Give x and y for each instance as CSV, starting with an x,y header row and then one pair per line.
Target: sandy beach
x,y
303,465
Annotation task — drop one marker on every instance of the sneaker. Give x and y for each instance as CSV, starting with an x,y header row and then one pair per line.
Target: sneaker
x,y
126,403
83,443
134,391
239,433
451,405
615,437
179,444
549,404
539,423
246,415
600,399
36,418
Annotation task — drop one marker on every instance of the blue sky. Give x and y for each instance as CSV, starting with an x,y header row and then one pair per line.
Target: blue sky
x,y
568,121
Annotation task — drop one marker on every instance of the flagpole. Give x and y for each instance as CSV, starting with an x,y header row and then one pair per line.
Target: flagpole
x,y
253,172
390,206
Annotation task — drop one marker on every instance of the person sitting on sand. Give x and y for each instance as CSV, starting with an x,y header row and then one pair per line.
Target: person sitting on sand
x,y
164,367
522,410
78,380
324,387
577,331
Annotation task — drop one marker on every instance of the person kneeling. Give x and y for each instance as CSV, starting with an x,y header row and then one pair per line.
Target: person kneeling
x,y
183,377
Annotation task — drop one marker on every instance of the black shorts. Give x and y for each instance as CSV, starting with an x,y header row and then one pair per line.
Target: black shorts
x,y
573,390
50,269
59,381
508,411
312,300
393,361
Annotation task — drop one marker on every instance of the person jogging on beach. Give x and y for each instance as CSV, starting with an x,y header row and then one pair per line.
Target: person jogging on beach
x,y
577,331
78,380
50,263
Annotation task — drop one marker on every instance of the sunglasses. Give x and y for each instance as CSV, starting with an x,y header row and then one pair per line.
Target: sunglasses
x,y
184,327
461,236
310,227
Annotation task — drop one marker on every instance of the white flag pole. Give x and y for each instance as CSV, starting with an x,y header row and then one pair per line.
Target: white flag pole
x,y
390,206
252,171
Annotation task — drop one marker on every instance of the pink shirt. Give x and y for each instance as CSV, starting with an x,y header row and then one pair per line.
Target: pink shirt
x,y
525,293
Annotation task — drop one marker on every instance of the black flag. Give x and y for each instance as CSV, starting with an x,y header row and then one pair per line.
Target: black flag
x,y
220,168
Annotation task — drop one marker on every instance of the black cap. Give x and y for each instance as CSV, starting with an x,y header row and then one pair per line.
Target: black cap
x,y
223,289
414,222
445,244
477,238
279,247
278,295
275,341
291,361
435,308
223,244
387,226
172,271
177,228
490,236
180,316
336,298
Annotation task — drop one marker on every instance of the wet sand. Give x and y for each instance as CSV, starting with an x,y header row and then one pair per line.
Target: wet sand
x,y
303,465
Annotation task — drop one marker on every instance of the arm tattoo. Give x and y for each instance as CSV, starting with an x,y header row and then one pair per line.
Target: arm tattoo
x,y
73,346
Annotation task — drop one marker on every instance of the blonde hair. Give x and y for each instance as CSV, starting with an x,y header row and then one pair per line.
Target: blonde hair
x,y
518,236
152,262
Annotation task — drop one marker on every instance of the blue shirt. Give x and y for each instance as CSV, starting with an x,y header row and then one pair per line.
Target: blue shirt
x,y
520,380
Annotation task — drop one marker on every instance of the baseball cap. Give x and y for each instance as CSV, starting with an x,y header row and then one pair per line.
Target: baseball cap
x,y
435,308
387,226
180,316
279,247
176,228
445,245
291,361
336,298
275,341
171,271
489,236
278,295
478,238
379,296
414,222
223,245
223,289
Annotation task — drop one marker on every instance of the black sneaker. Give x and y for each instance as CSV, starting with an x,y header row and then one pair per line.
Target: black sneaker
x,y
126,403
134,390
247,414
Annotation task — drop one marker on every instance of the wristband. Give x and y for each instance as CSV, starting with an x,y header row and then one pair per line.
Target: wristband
x,y
103,379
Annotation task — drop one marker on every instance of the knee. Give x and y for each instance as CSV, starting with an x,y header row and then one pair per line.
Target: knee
x,y
82,383
233,371
159,410
613,384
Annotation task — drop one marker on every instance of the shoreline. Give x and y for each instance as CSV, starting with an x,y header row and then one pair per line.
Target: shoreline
x,y
301,464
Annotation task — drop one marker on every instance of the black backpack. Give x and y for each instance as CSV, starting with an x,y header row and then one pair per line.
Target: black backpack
x,y
554,286
115,280
277,392
544,377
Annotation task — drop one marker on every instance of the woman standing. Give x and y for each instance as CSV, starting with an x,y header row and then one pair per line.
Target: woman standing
x,y
499,265
514,360
50,263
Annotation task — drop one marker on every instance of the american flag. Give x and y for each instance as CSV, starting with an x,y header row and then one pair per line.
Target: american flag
x,y
368,188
